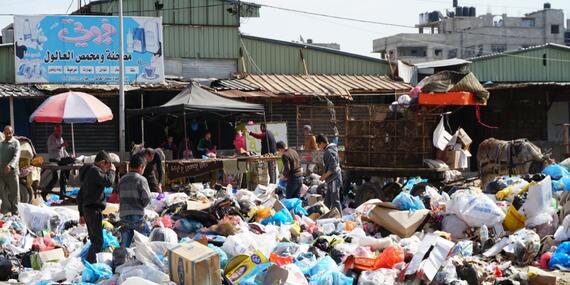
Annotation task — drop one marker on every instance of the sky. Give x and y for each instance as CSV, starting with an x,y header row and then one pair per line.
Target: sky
x,y
352,36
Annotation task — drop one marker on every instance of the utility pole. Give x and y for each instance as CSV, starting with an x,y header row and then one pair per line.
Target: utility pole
x,y
121,87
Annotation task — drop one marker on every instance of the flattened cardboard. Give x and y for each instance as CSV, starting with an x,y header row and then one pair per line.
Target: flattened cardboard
x,y
401,223
440,249
194,264
51,256
537,276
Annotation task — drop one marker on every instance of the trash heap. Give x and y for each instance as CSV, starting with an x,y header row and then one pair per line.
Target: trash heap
x,y
511,232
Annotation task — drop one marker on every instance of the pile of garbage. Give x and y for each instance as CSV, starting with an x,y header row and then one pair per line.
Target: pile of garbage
x,y
511,232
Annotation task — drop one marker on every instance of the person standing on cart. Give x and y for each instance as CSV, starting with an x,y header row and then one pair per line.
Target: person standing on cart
x,y
268,146
332,175
56,151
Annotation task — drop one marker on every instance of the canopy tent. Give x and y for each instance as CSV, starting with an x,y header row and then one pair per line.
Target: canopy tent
x,y
196,100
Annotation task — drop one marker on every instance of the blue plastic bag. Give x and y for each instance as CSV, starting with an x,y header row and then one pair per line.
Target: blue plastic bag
x,y
555,171
323,265
257,275
283,217
109,241
95,272
306,262
223,255
558,185
561,257
295,205
331,278
405,201
187,226
412,182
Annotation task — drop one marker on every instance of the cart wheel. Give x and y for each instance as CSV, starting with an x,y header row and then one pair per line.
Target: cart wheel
x,y
26,193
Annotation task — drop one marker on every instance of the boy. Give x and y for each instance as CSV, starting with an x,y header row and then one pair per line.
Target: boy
x,y
292,171
134,196
91,199
332,174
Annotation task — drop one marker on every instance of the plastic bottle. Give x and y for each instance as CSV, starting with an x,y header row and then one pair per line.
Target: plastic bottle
x,y
484,234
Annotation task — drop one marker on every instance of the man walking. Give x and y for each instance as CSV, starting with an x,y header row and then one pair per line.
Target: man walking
x,y
268,146
292,171
134,196
332,175
56,151
9,171
91,199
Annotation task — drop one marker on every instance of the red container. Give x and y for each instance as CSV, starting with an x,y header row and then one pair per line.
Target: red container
x,y
449,98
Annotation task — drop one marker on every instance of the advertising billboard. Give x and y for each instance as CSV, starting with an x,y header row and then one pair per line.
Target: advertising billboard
x,y
85,49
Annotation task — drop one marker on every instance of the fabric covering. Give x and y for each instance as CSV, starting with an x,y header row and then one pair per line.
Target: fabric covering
x,y
195,100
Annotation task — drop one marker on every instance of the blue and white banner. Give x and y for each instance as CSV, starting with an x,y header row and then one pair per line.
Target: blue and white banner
x,y
85,49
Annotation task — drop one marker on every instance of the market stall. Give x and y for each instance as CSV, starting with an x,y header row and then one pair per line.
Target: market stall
x,y
195,101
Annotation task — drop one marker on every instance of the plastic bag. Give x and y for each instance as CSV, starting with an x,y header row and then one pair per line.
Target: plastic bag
x,y
163,234
143,271
73,269
152,254
561,257
306,262
282,217
440,136
323,265
556,171
563,231
331,278
537,207
475,209
295,205
221,253
405,201
455,226
95,272
381,276
36,218
187,226
391,256
295,276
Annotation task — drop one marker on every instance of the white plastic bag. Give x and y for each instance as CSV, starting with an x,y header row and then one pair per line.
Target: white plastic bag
x,y
73,269
475,208
153,254
36,218
378,277
296,276
175,198
537,207
455,226
440,136
163,234
141,271
563,231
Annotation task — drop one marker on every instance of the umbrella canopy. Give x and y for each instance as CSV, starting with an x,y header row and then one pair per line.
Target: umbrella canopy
x,y
72,107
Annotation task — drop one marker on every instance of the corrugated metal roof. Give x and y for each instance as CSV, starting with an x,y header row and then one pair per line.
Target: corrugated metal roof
x,y
442,63
13,90
520,50
516,85
315,85
168,85
244,94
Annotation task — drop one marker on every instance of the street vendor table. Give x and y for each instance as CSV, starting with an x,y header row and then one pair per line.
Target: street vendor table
x,y
176,169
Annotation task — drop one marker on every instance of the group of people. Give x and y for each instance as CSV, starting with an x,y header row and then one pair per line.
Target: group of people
x,y
134,190
292,172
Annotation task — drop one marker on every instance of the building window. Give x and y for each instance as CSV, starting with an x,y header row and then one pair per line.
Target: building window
x,y
438,53
555,29
469,52
498,48
452,53
528,23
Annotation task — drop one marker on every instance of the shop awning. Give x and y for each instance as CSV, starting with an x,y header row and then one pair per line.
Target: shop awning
x,y
195,100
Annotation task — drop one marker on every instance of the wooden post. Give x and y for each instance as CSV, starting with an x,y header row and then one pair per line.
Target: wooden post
x,y
12,122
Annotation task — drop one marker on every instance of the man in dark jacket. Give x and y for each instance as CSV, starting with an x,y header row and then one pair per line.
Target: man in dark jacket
x,y
332,175
91,199
292,170
268,146
153,162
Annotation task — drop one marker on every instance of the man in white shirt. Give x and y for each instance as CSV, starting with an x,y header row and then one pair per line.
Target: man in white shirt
x,y
56,151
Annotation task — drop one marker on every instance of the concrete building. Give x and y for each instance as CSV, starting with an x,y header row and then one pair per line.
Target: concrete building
x,y
462,34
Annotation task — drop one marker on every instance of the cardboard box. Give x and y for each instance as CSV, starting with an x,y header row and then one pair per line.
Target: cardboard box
x,y
438,249
312,199
194,264
39,259
241,265
537,276
450,157
401,223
